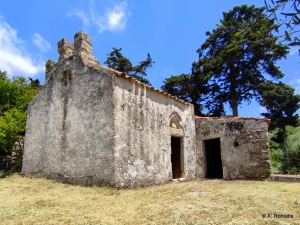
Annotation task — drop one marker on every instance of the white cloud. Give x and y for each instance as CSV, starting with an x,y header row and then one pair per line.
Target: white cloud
x,y
41,43
114,19
79,13
13,56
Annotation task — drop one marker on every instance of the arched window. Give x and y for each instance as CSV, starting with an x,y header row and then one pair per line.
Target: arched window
x,y
174,123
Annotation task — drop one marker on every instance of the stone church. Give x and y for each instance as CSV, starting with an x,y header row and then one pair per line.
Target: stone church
x,y
92,125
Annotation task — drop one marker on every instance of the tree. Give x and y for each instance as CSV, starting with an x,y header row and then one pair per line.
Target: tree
x,y
179,86
281,104
118,62
187,88
184,88
236,70
194,89
291,18
15,95
291,156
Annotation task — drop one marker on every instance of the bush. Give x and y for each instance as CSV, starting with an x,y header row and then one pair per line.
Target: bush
x,y
275,150
276,154
15,95
291,155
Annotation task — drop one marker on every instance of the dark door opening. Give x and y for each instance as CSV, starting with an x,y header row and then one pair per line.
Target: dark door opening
x,y
213,158
175,157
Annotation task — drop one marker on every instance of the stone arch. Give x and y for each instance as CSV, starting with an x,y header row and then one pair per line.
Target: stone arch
x,y
177,146
175,121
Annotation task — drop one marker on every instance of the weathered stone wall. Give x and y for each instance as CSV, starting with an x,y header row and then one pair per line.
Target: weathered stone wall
x,y
244,146
91,125
70,132
143,135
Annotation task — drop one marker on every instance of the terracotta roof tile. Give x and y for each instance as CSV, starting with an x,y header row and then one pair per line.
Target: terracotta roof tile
x,y
125,76
235,117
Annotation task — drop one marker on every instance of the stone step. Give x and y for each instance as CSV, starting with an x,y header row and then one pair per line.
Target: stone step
x,y
284,178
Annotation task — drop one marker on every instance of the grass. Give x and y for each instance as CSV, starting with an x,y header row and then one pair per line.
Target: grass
x,y
41,201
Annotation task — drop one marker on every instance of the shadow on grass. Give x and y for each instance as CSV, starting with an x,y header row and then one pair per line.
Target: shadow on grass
x,y
5,173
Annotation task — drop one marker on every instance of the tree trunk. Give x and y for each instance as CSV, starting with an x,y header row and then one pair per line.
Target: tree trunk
x,y
234,106
232,79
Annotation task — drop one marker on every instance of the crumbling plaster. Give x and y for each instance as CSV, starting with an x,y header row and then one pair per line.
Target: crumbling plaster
x,y
244,146
69,131
143,135
92,125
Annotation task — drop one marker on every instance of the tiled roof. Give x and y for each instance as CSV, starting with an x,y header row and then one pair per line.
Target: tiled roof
x,y
130,78
236,117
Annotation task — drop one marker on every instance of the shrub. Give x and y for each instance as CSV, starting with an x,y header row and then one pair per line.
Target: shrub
x,y
275,150
276,154
15,95
291,155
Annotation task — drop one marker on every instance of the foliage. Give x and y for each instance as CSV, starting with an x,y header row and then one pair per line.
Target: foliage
x,y
195,88
281,157
229,71
118,62
275,150
290,130
281,103
275,154
291,156
237,70
291,18
189,87
15,95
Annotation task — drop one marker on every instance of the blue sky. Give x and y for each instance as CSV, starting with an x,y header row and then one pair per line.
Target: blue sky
x,y
170,30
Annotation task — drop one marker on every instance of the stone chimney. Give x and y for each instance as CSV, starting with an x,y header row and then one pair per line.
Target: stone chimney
x,y
82,45
50,64
65,49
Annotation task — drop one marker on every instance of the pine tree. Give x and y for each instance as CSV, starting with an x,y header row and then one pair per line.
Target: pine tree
x,y
236,70
117,61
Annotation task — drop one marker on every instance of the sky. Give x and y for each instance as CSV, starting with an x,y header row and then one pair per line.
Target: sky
x,y
170,30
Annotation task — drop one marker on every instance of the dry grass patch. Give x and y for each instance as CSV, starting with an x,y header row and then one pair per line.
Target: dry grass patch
x,y
40,201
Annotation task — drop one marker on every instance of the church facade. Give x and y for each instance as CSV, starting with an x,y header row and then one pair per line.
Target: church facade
x,y
92,125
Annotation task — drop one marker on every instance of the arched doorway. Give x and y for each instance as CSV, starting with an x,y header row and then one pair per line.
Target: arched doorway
x,y
176,133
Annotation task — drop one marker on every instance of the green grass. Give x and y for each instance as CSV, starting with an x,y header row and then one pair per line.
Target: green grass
x,y
41,201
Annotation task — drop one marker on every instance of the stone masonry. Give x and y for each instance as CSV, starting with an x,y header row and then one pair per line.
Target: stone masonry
x,y
244,146
92,125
